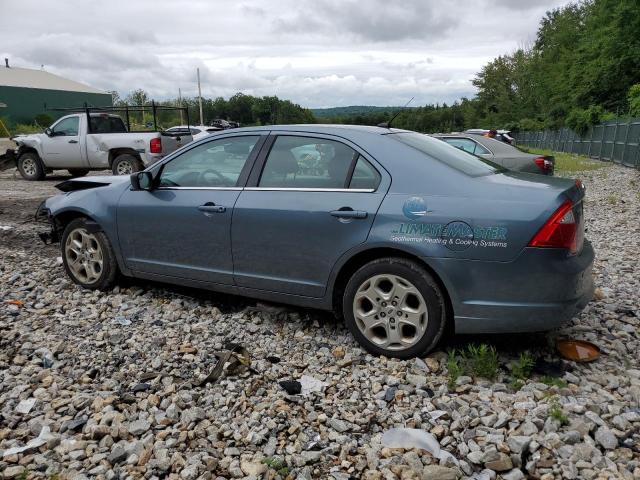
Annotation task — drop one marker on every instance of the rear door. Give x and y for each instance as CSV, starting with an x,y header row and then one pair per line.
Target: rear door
x,y
63,148
310,199
183,227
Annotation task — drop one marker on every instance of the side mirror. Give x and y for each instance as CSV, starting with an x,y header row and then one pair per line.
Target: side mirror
x,y
48,132
142,181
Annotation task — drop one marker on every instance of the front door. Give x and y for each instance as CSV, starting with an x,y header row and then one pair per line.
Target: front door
x,y
316,198
183,227
63,149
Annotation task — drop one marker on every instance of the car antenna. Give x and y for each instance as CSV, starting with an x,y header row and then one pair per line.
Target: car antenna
x,y
388,124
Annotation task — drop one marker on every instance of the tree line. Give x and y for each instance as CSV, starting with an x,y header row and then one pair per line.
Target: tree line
x,y
242,108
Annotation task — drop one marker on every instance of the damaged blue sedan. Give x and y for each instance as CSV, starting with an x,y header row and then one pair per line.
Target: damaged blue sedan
x,y
400,234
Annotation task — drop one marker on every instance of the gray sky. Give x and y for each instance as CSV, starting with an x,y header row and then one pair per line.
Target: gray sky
x,y
318,53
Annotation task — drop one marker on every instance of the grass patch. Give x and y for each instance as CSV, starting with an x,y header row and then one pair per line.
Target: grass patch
x,y
475,360
570,162
482,360
278,465
454,368
553,381
521,370
556,412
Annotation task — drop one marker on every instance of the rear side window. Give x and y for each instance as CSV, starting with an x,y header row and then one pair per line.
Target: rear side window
x,y
480,150
467,145
307,162
462,143
107,124
454,157
364,176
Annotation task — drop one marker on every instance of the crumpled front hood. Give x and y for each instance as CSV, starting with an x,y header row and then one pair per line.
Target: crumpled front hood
x,y
96,181
30,140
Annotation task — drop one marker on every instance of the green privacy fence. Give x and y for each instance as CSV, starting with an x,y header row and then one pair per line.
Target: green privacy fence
x,y
613,141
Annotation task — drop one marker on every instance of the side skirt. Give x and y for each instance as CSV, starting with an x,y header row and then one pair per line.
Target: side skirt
x,y
322,303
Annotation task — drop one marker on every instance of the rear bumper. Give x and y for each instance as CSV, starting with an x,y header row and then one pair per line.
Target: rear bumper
x,y
149,159
538,291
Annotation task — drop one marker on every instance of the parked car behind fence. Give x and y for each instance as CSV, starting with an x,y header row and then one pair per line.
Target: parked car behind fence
x,y
501,153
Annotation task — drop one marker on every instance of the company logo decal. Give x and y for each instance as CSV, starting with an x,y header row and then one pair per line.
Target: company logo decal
x,y
414,208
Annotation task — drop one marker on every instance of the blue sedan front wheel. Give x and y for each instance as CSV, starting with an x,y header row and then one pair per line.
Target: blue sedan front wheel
x,y
394,307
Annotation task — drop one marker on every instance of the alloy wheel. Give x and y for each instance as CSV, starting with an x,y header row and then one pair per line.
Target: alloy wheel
x,y
84,255
124,168
29,166
390,312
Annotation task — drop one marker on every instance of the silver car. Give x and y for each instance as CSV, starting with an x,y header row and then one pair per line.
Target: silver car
x,y
501,153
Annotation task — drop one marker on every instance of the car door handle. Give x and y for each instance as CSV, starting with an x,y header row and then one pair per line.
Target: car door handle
x,y
73,141
211,207
347,212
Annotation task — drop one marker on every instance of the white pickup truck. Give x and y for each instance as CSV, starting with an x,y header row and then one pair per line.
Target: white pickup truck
x,y
92,141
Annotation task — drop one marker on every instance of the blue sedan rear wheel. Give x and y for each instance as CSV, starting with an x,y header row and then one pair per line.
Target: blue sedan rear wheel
x,y
393,307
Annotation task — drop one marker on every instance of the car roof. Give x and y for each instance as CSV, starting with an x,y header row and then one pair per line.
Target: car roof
x,y
328,128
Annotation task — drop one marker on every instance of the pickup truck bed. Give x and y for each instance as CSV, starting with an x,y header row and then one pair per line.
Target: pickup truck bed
x,y
73,144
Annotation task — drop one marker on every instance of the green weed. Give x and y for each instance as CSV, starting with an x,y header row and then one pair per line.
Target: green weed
x,y
454,368
278,465
482,360
556,412
521,369
553,381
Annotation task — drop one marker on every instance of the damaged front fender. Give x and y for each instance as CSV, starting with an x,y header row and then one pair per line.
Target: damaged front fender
x,y
43,214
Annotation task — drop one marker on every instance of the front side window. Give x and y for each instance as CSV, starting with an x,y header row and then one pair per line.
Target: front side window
x,y
307,162
67,127
213,164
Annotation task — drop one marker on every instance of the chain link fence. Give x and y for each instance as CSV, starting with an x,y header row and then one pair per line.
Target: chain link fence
x,y
613,141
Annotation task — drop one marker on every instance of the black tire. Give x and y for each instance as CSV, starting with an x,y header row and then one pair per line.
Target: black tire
x,y
422,281
30,166
109,269
126,164
78,172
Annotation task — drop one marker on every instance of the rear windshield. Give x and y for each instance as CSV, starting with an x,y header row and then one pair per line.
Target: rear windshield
x,y
450,155
107,124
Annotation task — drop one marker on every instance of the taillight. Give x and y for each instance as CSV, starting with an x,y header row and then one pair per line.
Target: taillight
x,y
155,145
543,164
560,231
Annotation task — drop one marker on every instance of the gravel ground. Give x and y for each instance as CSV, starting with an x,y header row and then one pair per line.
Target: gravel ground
x,y
108,385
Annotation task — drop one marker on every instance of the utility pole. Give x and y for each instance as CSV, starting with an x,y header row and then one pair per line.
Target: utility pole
x,y
200,97
180,105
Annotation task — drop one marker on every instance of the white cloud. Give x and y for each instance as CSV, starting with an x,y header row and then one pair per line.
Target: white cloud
x,y
316,53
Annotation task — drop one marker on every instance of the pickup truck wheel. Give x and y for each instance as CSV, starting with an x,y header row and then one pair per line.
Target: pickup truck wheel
x,y
30,166
78,172
87,256
394,307
126,164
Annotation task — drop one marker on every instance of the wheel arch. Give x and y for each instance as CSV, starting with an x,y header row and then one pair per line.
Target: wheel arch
x,y
116,152
65,217
28,149
350,266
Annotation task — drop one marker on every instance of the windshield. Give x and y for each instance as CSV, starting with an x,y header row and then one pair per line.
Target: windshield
x,y
454,157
